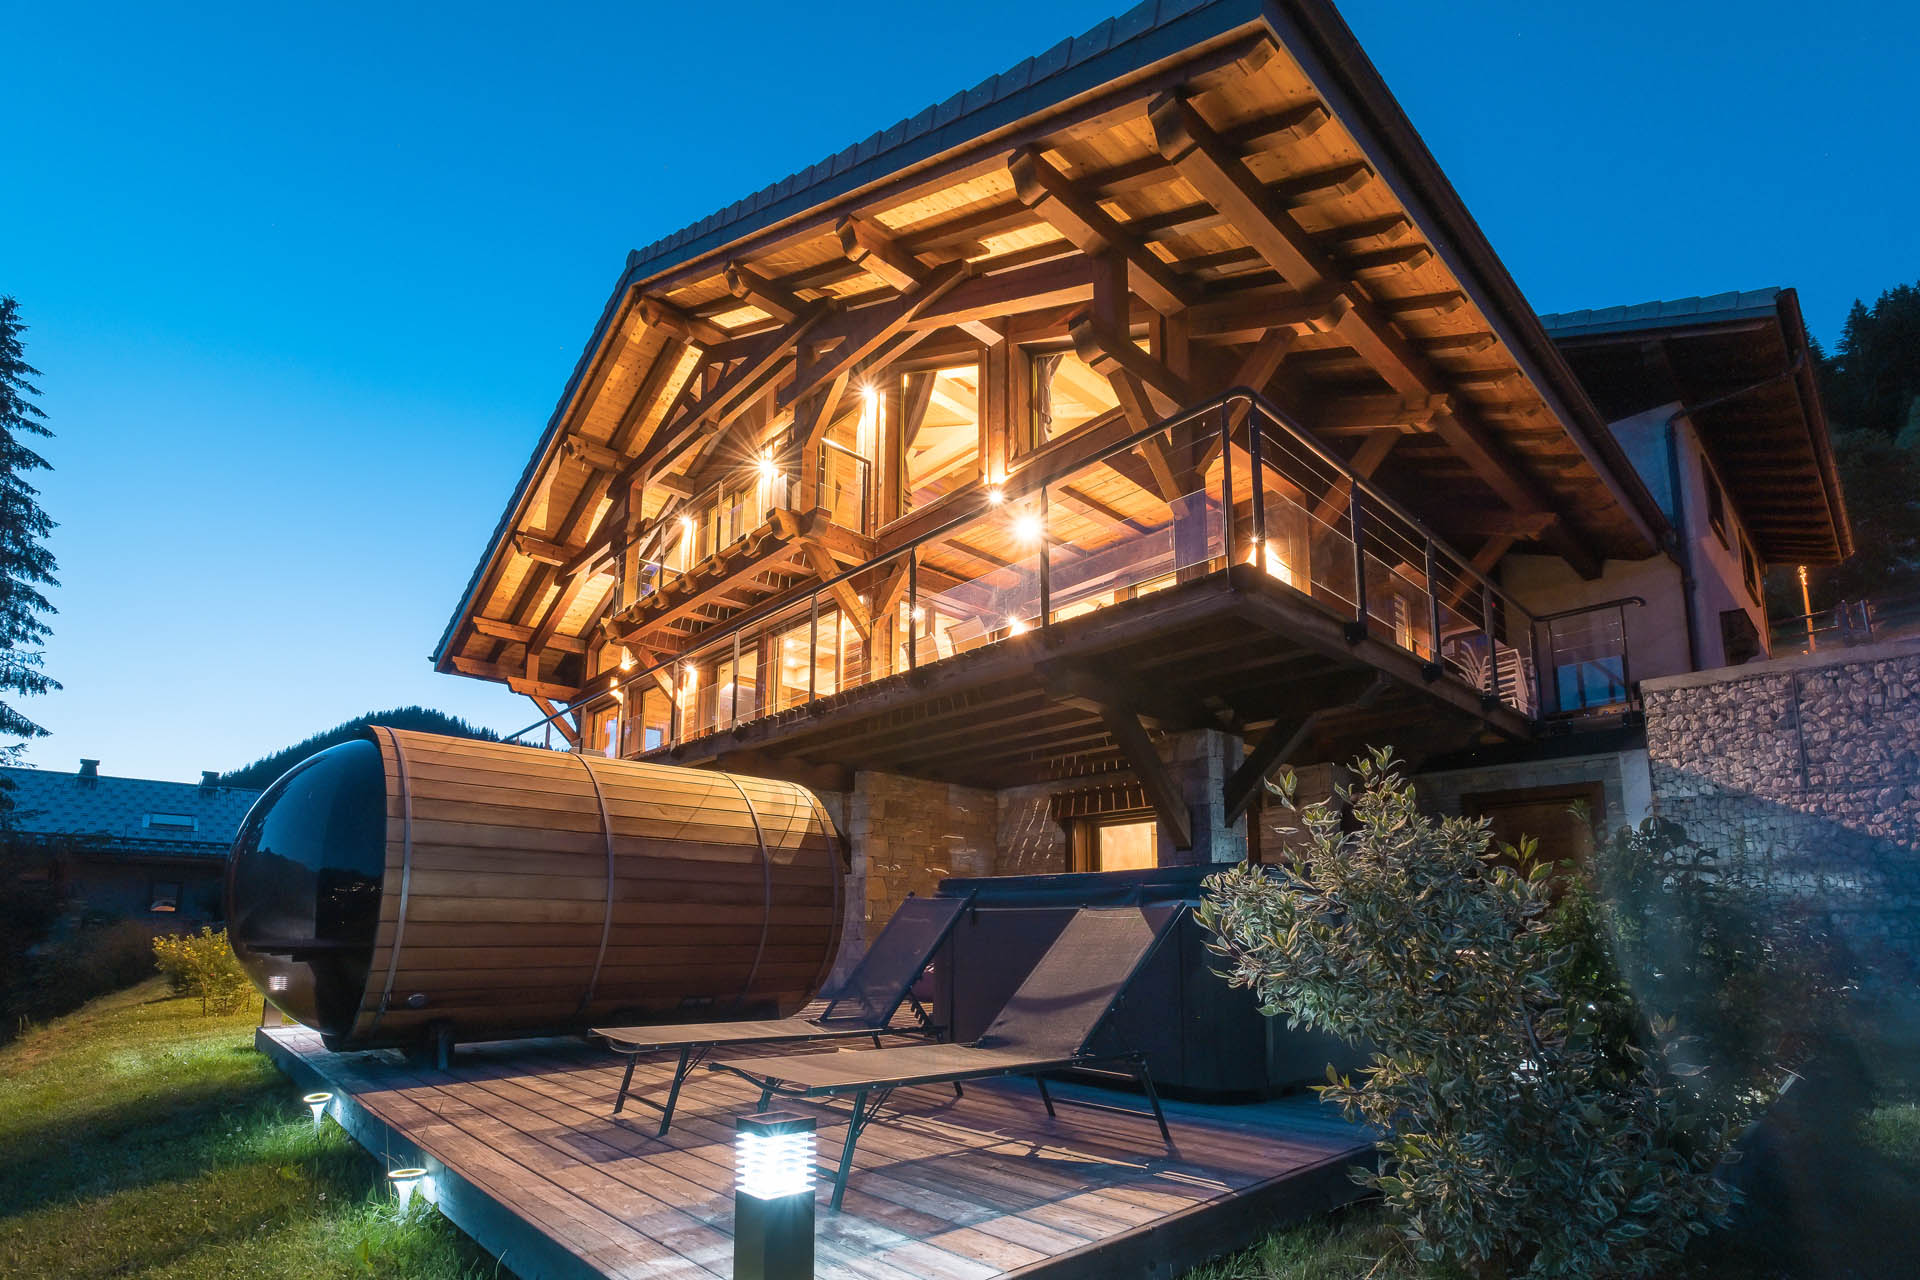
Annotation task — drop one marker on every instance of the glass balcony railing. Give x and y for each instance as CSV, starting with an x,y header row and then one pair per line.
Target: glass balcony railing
x,y
1233,481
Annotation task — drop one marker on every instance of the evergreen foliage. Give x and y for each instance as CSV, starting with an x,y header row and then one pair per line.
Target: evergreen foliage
x,y
1871,388
264,771
26,565
1535,1120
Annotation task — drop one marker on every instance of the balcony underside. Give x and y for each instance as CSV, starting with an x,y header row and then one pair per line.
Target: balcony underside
x,y
1235,650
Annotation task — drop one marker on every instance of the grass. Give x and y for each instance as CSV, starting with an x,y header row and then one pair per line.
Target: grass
x,y
139,1138
1359,1243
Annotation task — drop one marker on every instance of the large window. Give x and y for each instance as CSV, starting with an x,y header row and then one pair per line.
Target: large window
x,y
1065,394
935,415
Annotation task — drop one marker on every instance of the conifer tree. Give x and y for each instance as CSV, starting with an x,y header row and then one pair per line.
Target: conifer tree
x,y
26,564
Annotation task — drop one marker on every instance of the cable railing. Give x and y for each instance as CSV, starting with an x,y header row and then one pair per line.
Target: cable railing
x,y
1230,481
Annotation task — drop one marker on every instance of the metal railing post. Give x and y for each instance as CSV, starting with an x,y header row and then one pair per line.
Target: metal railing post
x,y
1493,648
1258,481
913,608
813,645
733,713
1357,526
1433,606
1226,480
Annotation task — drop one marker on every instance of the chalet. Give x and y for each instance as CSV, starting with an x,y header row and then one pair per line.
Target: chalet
x,y
1034,477
135,848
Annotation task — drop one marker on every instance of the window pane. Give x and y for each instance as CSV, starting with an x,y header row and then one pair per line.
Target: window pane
x,y
1067,394
1126,846
939,425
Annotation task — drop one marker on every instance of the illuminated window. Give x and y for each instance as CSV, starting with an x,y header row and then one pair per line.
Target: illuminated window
x,y
1066,394
1132,845
936,416
165,896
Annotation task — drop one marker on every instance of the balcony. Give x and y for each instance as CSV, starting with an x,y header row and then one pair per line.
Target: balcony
x,y
1220,569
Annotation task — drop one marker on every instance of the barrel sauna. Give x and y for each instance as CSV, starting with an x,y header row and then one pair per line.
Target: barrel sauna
x,y
405,887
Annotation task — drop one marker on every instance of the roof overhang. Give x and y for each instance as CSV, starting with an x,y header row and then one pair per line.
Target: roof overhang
x,y
1742,368
1071,86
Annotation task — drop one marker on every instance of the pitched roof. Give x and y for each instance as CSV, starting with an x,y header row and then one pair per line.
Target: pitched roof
x,y
1142,35
121,813
1718,308
1742,365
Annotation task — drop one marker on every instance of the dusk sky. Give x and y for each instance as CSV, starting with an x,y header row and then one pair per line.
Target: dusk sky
x,y
305,281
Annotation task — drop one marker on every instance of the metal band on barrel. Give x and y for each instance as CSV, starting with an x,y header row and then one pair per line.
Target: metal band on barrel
x,y
606,924
406,877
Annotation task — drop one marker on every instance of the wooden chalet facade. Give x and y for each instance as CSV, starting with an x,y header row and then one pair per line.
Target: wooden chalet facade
x,y
1034,477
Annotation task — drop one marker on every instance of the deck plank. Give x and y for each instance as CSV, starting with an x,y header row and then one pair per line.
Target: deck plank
x,y
943,1188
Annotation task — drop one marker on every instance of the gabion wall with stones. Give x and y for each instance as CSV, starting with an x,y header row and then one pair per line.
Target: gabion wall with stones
x,y
1811,768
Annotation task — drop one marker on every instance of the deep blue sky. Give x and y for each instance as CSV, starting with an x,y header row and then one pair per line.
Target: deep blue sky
x,y
305,281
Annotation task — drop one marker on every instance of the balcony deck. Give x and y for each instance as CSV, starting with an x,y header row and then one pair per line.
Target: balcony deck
x,y
527,1158
1233,647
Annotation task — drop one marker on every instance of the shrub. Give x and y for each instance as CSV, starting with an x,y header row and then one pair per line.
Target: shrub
x,y
75,968
203,964
1526,1130
170,955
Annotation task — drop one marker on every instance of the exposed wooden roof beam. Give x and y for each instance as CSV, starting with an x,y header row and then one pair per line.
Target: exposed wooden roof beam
x,y
748,285
869,246
1079,218
663,315
542,550
864,332
1224,180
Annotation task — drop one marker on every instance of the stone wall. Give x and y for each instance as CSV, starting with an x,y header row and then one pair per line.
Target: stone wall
x,y
1811,766
910,834
1621,775
1030,842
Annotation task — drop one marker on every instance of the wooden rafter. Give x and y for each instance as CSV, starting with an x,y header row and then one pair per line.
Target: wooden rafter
x,y
1079,217
1223,179
867,245
867,331
776,300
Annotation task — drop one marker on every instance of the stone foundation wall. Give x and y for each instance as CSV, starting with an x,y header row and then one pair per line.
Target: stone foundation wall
x,y
909,835
1811,766
1030,842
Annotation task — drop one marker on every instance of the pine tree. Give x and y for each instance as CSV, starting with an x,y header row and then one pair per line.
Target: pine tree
x,y
26,564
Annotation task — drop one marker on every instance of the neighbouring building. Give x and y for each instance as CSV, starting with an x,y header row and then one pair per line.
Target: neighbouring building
x,y
136,848
1035,477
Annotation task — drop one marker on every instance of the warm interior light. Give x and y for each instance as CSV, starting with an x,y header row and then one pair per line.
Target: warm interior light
x,y
626,659
405,1182
1015,627
1028,528
870,395
686,524
1272,562
996,496
767,470
317,1103
774,1158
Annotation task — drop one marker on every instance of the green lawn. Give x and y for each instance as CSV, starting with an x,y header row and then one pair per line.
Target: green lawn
x,y
139,1138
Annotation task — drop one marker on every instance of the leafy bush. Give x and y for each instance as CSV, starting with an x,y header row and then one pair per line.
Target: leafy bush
x,y
170,955
203,964
1527,1131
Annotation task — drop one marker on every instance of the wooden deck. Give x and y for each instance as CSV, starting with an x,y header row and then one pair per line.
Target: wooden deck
x,y
528,1159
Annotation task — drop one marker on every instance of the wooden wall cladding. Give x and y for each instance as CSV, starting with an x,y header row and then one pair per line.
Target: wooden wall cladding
x,y
542,890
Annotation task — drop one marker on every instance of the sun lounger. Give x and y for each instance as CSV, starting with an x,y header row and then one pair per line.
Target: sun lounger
x,y
864,1005
1051,1023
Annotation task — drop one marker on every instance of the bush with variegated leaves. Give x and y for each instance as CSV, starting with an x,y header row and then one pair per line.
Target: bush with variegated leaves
x,y
1529,1124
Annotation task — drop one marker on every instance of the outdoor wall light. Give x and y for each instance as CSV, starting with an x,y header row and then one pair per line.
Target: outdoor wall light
x,y
1028,528
996,495
767,469
405,1183
626,659
317,1103
1015,627
773,1197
